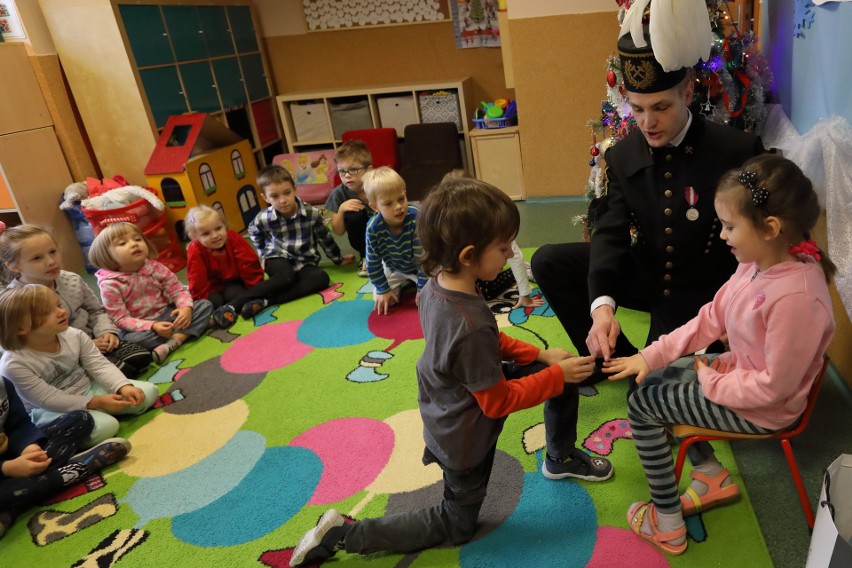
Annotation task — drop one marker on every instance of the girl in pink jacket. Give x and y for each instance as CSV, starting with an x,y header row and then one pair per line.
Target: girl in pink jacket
x,y
776,313
144,298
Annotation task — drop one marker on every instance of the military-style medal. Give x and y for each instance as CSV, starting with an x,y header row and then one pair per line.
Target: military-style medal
x,y
691,199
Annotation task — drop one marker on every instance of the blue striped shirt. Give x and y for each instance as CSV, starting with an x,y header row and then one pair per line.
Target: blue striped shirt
x,y
295,238
401,253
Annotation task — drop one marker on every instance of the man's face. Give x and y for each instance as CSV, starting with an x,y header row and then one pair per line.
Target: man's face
x,y
661,116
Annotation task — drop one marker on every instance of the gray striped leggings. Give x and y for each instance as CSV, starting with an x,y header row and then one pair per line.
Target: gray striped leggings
x,y
673,396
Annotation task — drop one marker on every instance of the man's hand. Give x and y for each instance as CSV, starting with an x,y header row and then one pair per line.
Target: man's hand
x,y
604,332
623,367
106,342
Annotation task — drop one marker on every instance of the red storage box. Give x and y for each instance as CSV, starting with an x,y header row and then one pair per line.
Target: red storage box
x,y
153,224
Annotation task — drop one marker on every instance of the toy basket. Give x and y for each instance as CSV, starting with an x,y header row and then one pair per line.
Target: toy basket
x,y
501,122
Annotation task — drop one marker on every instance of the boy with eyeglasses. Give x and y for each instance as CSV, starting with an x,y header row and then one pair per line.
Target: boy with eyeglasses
x,y
348,201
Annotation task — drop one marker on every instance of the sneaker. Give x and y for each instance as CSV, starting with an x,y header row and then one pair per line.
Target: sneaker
x,y
225,317
363,270
254,307
578,465
133,355
108,452
321,542
161,352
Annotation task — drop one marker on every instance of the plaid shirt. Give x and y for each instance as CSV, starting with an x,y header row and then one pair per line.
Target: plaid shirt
x,y
295,238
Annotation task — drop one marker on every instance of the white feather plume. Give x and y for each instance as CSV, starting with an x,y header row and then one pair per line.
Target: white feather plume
x,y
632,23
680,32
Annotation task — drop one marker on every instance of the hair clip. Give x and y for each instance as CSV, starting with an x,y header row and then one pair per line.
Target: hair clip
x,y
759,195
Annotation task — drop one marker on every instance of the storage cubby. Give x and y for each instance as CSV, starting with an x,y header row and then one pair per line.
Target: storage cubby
x,y
317,119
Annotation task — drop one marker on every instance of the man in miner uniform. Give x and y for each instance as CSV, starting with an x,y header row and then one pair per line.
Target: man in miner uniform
x,y
661,180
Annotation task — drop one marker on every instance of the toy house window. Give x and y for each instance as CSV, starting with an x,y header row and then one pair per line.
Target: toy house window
x,y
248,201
218,207
172,193
208,182
237,164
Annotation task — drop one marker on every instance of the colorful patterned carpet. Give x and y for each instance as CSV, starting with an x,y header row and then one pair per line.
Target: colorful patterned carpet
x,y
314,404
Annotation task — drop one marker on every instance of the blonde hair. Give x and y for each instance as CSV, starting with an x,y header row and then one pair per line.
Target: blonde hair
x,y
11,243
22,306
354,150
100,254
380,182
198,214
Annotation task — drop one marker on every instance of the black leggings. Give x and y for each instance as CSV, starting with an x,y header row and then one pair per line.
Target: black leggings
x,y
283,285
64,437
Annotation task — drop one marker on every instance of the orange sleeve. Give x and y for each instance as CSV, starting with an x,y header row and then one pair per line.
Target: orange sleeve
x,y
510,396
519,352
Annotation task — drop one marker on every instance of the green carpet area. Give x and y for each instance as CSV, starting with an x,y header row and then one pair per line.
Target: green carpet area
x,y
313,405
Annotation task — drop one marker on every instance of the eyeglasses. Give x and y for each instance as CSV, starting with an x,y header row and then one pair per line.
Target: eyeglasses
x,y
351,171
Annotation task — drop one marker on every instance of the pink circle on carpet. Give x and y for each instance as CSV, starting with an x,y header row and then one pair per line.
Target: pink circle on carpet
x,y
401,324
625,549
269,347
353,452
180,373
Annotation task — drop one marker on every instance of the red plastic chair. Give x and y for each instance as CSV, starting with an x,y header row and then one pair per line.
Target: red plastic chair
x,y
688,435
382,144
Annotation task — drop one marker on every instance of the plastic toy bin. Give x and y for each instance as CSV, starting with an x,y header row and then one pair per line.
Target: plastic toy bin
x,y
153,224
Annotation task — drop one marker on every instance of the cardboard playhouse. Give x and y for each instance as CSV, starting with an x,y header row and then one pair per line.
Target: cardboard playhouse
x,y
199,161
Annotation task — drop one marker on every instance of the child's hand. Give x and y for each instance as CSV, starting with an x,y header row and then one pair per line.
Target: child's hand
x,y
716,364
553,356
347,259
351,205
27,465
529,302
576,369
106,342
627,366
183,317
132,394
108,402
163,328
384,301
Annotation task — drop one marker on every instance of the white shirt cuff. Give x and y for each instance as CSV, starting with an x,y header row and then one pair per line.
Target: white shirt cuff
x,y
601,301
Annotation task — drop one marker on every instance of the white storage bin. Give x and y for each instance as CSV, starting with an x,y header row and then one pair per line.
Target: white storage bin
x,y
310,121
397,112
349,115
440,108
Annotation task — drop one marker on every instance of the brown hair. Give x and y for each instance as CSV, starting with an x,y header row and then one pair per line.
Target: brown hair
x,y
23,306
271,175
100,254
458,173
197,214
11,242
354,150
462,212
380,182
791,198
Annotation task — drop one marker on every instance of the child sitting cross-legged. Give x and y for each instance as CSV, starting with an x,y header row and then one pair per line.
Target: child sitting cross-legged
x,y
286,235
57,369
144,298
393,249
223,268
776,312
466,228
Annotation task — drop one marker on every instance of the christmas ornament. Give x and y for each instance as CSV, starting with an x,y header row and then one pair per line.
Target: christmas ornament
x,y
610,78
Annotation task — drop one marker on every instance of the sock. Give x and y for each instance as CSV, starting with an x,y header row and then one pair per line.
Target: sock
x,y
73,472
711,468
160,352
666,522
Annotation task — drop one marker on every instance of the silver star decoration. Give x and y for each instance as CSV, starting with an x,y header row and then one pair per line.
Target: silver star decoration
x,y
707,108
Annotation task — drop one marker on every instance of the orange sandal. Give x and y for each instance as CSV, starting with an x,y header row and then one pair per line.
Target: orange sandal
x,y
692,504
661,540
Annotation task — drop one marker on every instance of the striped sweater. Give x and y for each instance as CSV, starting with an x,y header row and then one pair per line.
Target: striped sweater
x,y
400,253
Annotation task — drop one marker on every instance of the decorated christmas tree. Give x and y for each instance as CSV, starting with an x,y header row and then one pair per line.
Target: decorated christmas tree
x,y
730,88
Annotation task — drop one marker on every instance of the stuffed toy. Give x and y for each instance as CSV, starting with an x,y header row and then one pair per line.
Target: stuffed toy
x,y
73,195
121,197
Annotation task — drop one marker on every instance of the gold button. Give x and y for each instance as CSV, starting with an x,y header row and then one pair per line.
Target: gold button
x,y
667,175
669,265
667,277
668,231
709,243
706,251
667,293
668,193
668,157
667,211
670,249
